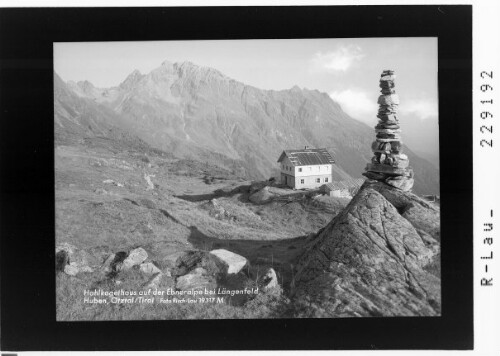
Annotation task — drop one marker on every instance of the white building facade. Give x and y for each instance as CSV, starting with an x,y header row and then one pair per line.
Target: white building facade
x,y
307,168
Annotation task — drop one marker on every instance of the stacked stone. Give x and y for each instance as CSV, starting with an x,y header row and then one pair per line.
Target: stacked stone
x,y
389,164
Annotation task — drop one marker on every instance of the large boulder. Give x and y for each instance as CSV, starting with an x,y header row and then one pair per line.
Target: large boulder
x,y
84,260
135,257
149,268
371,259
72,260
234,262
114,263
170,259
62,260
193,259
269,281
108,264
71,269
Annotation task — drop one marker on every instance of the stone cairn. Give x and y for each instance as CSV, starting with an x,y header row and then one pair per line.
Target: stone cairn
x,y
389,164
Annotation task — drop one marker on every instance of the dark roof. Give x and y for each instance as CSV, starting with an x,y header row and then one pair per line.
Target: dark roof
x,y
308,157
345,184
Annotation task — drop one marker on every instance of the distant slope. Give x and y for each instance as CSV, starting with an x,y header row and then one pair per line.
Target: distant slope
x,y
434,159
77,119
198,112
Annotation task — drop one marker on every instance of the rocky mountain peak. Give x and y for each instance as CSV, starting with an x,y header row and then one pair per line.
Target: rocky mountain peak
x,y
196,72
186,70
85,85
136,73
248,126
132,79
167,63
82,88
185,64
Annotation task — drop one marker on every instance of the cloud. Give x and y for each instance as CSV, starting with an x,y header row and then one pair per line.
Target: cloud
x,y
339,60
358,104
422,108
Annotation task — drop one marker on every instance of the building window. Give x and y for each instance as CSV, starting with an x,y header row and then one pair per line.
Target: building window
x,y
318,180
326,180
300,169
310,168
319,168
301,181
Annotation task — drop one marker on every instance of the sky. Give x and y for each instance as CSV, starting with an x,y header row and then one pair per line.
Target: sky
x,y
348,69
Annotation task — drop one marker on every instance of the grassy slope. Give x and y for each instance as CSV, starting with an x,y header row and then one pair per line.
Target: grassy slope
x,y
176,215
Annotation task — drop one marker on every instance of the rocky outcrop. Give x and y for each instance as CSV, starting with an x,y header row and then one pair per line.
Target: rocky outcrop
x,y
269,281
62,260
113,268
190,260
114,262
200,270
109,265
71,269
72,260
371,259
134,258
423,215
149,268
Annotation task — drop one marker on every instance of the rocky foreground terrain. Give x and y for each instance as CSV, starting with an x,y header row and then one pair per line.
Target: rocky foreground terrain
x,y
134,219
378,257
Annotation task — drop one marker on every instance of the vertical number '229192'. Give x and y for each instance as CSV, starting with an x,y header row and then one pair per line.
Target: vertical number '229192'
x,y
485,115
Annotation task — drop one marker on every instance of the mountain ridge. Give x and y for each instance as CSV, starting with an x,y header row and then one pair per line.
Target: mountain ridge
x,y
195,111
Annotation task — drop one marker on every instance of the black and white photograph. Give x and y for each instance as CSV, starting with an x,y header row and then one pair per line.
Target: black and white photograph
x,y
247,179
